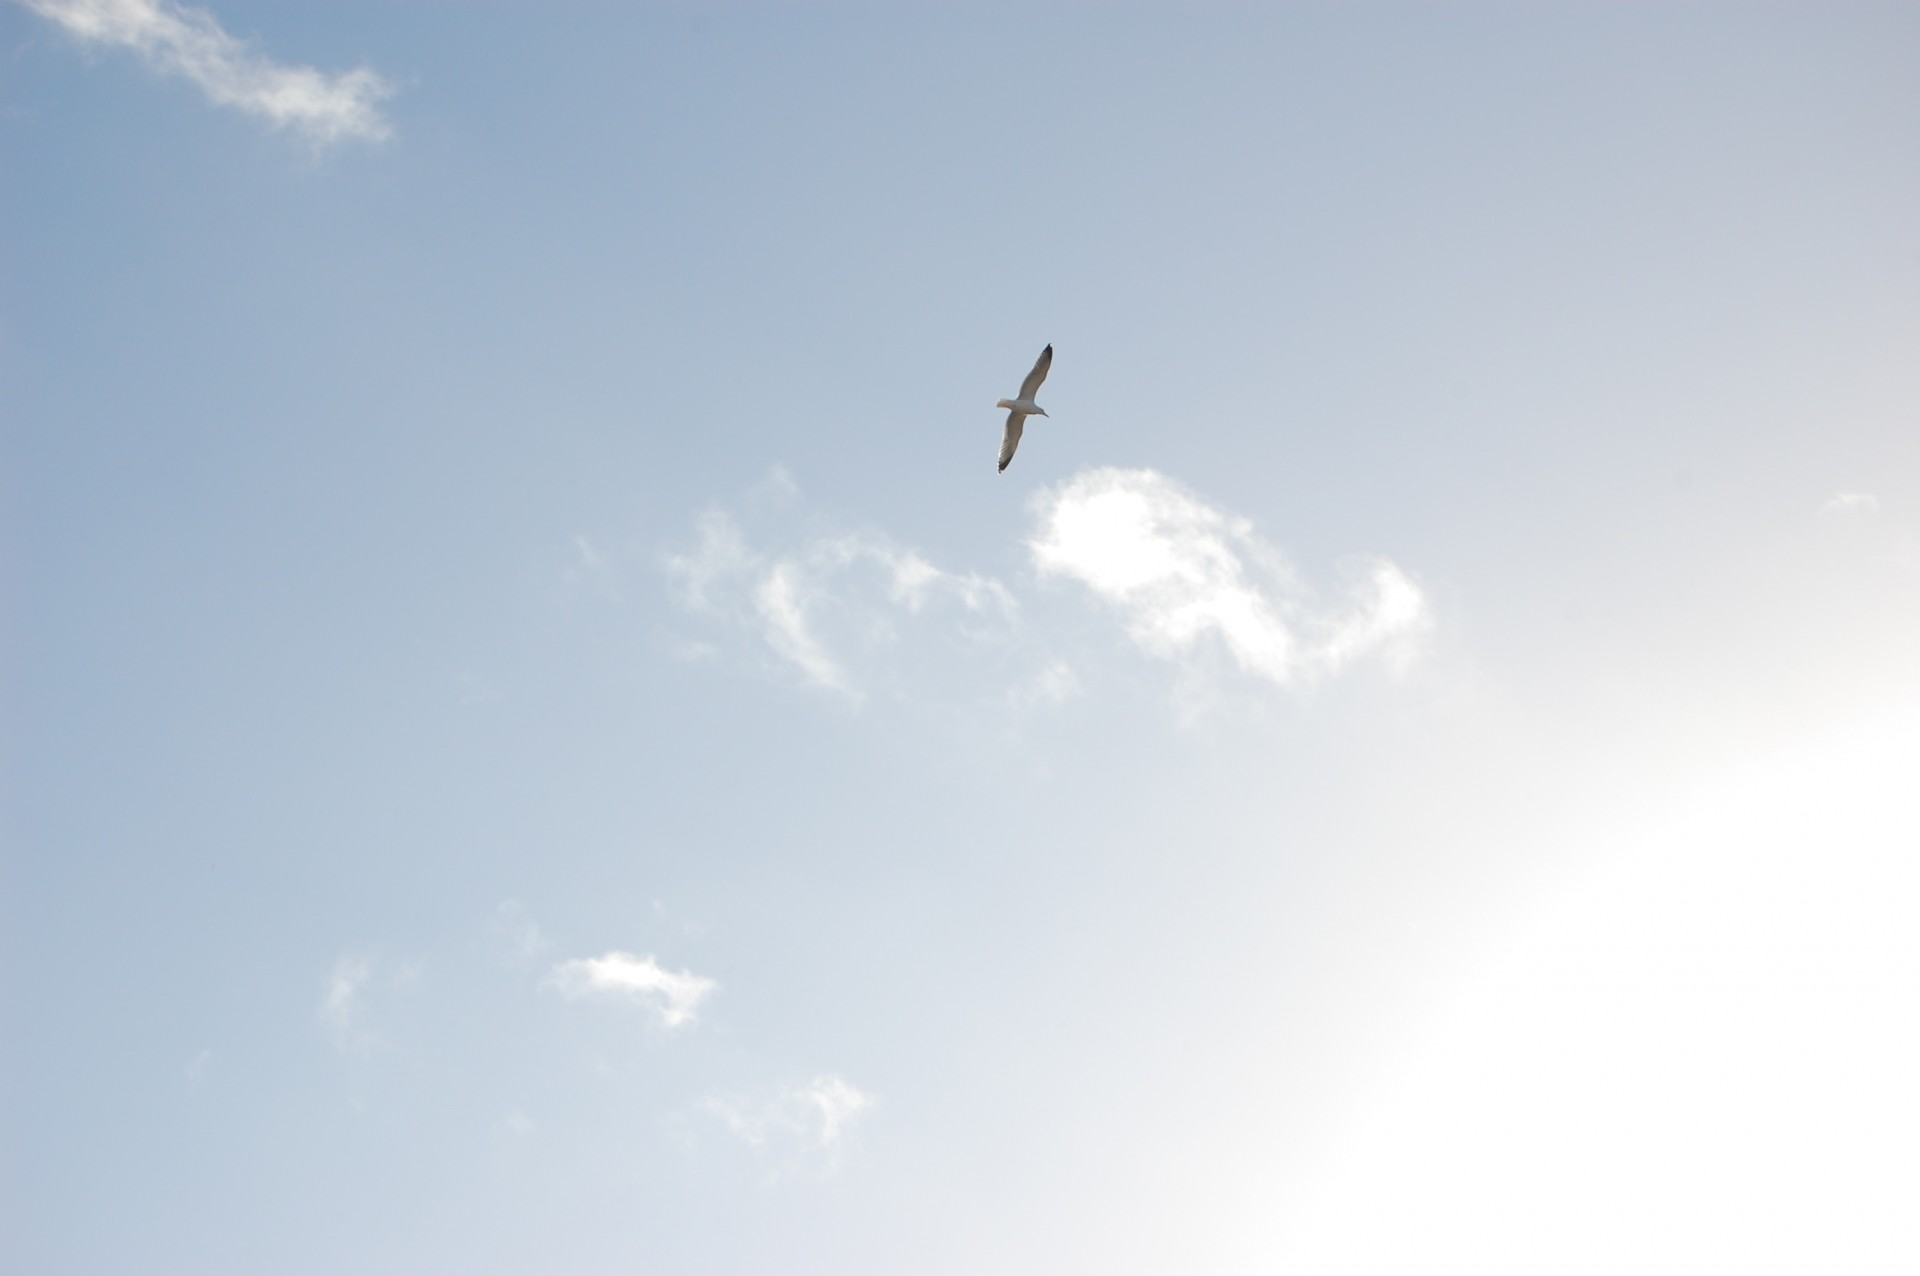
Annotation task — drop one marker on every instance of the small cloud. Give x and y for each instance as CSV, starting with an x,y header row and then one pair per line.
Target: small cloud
x,y
197,1066
1387,616
1862,504
341,1012
513,924
797,1124
519,1125
827,604
1055,684
709,574
673,995
782,599
777,486
669,917
592,570
177,40
1188,579
591,559
694,652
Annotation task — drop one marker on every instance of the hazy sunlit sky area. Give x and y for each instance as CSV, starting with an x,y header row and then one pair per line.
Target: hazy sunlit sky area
x,y
536,740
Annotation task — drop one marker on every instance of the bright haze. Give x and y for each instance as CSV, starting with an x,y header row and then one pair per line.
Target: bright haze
x,y
533,739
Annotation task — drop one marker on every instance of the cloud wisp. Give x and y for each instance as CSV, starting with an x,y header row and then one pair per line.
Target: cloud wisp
x,y
1191,584
517,930
831,601
798,1125
341,1013
674,995
1189,580
190,43
1861,504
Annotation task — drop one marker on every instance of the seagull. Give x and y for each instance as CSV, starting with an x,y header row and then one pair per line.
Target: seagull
x,y
1018,410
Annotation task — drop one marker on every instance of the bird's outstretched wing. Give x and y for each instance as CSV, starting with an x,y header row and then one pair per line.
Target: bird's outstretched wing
x,y
1031,385
1016,424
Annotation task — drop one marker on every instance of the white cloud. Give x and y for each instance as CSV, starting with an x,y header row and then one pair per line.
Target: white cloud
x,y
341,1012
1388,616
782,598
191,43
1055,684
674,995
1180,572
516,927
592,570
799,1123
826,605
1863,503
853,613
709,575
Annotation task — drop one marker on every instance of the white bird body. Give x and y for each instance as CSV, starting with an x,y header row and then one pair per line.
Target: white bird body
x,y
1018,410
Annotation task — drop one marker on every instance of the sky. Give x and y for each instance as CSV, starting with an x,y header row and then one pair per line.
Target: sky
x,y
533,737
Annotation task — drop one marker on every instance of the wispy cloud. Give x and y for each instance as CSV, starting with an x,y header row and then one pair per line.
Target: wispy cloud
x,y
592,570
189,42
782,598
1054,684
341,1013
516,927
829,600
798,1124
1191,584
519,1125
1862,503
674,995
1189,580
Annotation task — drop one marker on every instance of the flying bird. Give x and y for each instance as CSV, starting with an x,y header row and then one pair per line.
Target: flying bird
x,y
1018,410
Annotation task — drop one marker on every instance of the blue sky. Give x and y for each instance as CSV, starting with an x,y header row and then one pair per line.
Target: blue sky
x,y
535,739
